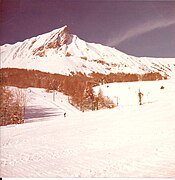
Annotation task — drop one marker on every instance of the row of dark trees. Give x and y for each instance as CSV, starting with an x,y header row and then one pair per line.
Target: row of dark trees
x,y
127,77
78,87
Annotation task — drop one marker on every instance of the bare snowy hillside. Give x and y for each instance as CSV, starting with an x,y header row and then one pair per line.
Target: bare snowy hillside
x,y
61,52
127,141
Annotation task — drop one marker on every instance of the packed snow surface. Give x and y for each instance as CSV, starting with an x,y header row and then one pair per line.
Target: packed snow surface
x,y
127,141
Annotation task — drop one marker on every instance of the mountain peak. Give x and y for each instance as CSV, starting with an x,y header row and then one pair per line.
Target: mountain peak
x,y
64,35
65,29
54,40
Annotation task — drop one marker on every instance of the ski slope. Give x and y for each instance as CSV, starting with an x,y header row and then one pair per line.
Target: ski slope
x,y
127,141
42,105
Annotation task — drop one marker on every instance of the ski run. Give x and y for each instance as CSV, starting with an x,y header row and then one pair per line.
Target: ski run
x,y
127,141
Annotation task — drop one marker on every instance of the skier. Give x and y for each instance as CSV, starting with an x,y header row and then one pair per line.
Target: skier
x,y
140,97
65,114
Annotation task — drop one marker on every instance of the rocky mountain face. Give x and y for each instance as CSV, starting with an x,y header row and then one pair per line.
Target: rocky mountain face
x,y
55,41
61,52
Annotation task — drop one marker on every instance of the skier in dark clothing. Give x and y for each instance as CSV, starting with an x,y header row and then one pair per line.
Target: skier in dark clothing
x,y
140,97
65,114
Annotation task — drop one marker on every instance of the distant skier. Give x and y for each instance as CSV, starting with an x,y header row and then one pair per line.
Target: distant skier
x,y
65,114
140,97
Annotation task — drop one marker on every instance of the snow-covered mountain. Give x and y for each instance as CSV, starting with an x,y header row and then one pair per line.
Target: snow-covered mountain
x,y
61,52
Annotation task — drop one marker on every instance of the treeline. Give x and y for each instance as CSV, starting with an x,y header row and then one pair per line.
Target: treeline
x,y
22,78
127,77
78,87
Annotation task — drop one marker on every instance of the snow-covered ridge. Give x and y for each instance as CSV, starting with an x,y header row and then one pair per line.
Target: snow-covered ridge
x,y
61,52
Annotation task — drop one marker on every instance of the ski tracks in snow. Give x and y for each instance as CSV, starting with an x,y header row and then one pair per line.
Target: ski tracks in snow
x,y
136,141
41,106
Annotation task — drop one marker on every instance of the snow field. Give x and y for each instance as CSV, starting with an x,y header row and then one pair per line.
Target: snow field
x,y
127,141
127,92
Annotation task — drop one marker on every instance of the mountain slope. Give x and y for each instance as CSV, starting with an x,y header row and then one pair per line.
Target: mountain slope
x,y
61,52
128,141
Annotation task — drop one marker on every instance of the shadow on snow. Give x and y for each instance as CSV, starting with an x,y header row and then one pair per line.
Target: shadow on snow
x,y
33,114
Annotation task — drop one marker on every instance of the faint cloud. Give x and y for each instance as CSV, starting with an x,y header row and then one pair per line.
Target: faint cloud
x,y
140,29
